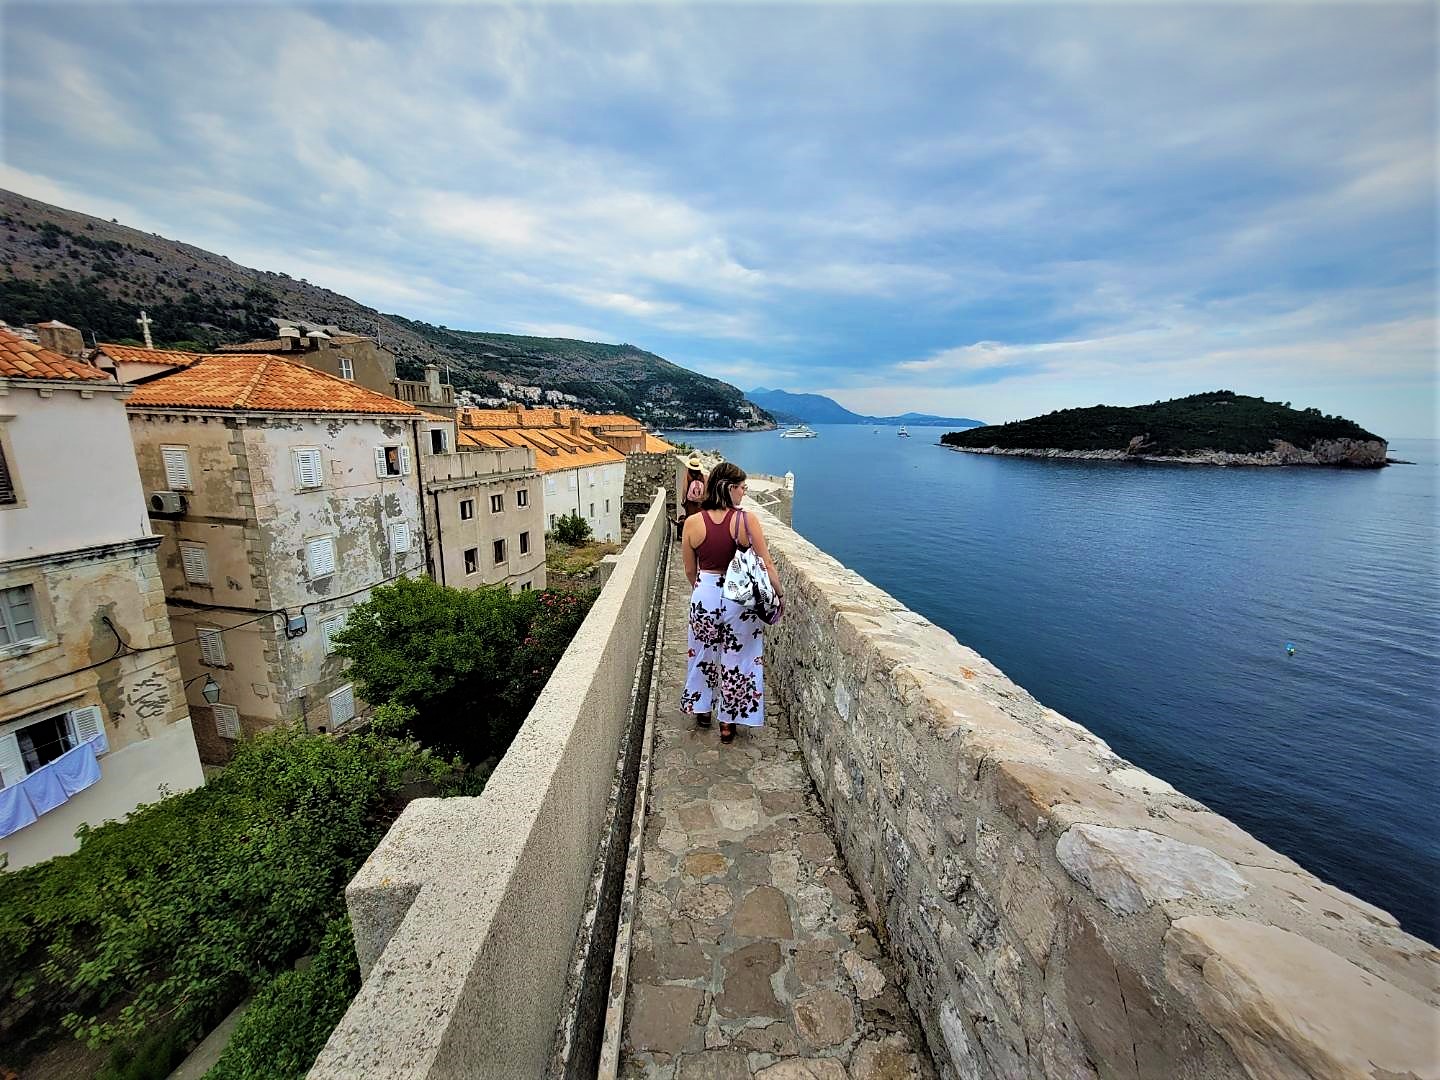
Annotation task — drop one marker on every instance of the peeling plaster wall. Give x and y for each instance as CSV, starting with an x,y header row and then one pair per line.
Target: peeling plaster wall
x,y
1059,912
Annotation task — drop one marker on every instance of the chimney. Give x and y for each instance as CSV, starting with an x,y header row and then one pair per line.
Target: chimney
x,y
289,338
58,337
432,382
558,419
516,408
574,425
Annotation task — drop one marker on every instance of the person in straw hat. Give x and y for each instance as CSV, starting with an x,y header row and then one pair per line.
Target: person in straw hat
x,y
694,485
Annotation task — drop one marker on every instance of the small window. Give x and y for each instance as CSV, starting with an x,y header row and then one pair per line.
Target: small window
x,y
347,368
499,552
524,586
472,560
497,503
574,481
7,485
329,627
392,460
607,506
467,509
18,620
342,705
177,467
320,556
550,485
524,543
227,721
212,645
522,497
307,468
592,510
399,537
590,477
437,440
195,563
552,521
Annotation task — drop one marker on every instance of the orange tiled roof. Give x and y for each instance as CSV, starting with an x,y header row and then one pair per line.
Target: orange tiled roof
x,y
543,418
554,450
21,359
138,354
259,383
656,445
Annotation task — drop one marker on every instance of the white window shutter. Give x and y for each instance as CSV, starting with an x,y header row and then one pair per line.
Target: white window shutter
x,y
329,628
86,723
196,565
12,765
380,461
342,705
227,721
320,555
212,645
177,467
307,468
399,537
404,460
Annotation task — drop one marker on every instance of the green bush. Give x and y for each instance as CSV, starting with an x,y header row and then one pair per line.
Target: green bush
x,y
287,1024
167,919
572,529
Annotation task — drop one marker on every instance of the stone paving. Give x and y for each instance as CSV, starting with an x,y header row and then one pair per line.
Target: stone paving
x,y
752,954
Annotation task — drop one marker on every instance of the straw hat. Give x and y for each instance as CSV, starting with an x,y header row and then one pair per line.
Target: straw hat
x,y
693,462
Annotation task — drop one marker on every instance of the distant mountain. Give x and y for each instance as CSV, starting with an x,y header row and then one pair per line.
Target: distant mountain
x,y
819,409
1221,428
96,275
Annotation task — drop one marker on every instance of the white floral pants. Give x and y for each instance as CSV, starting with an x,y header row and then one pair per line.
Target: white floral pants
x,y
726,675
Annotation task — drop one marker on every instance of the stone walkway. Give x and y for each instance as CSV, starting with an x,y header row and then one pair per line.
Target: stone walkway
x,y
752,954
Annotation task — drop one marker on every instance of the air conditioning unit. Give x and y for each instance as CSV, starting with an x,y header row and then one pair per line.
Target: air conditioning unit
x,y
168,502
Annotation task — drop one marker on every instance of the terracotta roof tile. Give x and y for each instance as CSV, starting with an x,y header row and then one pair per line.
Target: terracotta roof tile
x,y
246,382
138,354
656,445
21,359
554,452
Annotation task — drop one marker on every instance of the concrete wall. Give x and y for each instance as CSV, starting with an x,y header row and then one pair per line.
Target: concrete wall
x,y
1059,912
569,491
466,913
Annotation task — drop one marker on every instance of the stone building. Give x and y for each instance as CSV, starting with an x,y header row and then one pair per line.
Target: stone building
x,y
485,518
582,473
93,719
282,496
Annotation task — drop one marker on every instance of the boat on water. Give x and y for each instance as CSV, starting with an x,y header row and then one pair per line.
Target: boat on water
x,y
799,431
902,432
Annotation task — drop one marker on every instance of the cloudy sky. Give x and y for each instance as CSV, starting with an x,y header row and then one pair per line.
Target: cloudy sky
x,y
982,211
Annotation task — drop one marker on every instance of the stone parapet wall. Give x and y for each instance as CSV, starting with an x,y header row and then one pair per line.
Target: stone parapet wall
x,y
466,913
1059,912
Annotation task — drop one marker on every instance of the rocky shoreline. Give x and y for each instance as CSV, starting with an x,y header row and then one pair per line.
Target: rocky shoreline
x,y
1343,453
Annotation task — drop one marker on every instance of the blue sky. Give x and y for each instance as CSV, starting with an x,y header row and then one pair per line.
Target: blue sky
x,y
976,210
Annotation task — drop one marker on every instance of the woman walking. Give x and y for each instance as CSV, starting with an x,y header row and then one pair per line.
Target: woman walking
x,y
726,673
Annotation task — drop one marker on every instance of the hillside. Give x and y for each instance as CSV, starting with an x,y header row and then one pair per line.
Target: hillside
x,y
96,275
819,409
1221,426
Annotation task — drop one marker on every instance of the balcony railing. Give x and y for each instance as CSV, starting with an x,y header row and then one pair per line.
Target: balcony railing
x,y
419,392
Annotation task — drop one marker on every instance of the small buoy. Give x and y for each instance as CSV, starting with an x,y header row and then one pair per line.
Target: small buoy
x,y
1290,648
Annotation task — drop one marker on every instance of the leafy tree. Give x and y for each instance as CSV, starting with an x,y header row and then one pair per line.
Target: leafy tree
x,y
572,529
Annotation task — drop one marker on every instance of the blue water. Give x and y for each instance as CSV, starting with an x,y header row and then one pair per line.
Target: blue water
x,y
1152,604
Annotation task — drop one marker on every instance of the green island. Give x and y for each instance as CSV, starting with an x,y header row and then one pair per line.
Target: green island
x,y
1217,428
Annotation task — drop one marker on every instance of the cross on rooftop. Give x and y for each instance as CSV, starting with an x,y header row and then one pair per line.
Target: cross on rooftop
x,y
144,321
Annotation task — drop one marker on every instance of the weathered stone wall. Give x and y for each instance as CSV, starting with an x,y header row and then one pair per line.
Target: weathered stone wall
x,y
1059,912
644,473
466,913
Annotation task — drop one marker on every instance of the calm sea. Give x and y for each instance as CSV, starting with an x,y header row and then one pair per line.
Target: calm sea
x,y
1153,604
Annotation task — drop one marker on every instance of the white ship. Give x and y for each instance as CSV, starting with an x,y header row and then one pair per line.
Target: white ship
x,y
799,431
902,432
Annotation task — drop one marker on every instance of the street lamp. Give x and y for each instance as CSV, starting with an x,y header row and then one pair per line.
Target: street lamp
x,y
211,690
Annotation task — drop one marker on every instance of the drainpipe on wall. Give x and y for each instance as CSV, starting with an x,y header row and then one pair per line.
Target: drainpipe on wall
x,y
439,541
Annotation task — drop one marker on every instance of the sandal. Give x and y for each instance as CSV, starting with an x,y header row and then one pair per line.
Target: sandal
x,y
702,719
727,733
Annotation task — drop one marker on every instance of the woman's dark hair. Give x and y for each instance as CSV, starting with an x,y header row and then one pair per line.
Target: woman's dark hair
x,y
694,474
717,486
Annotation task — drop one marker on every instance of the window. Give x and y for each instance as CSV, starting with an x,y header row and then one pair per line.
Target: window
x,y
607,506
329,627
549,485
320,556
472,560
522,497
574,481
437,440
342,705
525,543
524,586
227,721
18,620
552,521
497,503
347,368
467,509
592,510
7,485
499,552
392,460
590,477
399,537
195,563
34,743
177,467
307,468
212,645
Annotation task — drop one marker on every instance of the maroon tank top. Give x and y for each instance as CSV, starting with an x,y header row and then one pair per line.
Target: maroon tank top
x,y
717,549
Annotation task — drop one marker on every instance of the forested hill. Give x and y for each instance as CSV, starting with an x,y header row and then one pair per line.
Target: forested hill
x,y
97,275
1220,421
